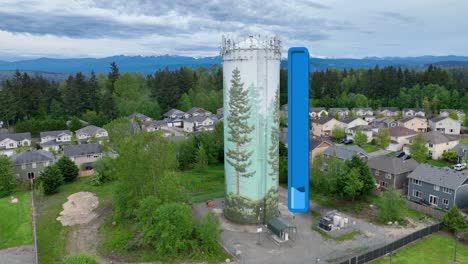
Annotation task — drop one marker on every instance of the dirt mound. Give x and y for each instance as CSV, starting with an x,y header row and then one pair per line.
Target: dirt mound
x,y
79,209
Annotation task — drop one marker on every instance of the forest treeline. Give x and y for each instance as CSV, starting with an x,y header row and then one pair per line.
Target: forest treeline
x,y
34,103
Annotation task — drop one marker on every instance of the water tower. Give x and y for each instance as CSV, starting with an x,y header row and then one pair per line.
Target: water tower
x,y
251,73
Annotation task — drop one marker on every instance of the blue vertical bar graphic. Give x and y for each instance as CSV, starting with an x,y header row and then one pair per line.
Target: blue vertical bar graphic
x,y
298,130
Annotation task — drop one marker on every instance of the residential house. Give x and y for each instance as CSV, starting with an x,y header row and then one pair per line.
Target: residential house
x,y
323,126
416,123
197,111
10,142
317,112
441,187
390,171
445,125
174,114
367,130
220,113
29,164
138,116
199,123
52,140
316,147
384,123
89,133
174,122
460,113
462,150
350,122
388,111
437,143
83,155
369,118
339,112
152,126
399,136
345,152
414,112
362,111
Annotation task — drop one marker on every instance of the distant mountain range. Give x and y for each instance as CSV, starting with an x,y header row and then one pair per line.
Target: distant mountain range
x,y
58,68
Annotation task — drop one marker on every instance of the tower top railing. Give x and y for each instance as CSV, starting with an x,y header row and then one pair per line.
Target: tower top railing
x,y
250,43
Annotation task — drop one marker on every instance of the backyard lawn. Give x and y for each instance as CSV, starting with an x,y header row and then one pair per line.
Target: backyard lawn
x,y
203,186
15,221
369,148
52,236
439,163
436,248
464,141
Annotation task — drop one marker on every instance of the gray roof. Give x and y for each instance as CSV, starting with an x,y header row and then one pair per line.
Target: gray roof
x,y
197,110
89,130
32,156
173,111
55,133
413,109
408,118
461,149
197,118
452,110
440,118
400,131
324,120
315,142
392,109
436,137
16,136
140,116
345,152
82,149
336,109
441,176
316,109
363,128
392,164
361,108
350,119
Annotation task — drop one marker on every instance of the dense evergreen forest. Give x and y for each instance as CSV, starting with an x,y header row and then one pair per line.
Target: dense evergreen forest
x,y
34,104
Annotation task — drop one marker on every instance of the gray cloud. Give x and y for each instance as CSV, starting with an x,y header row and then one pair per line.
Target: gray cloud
x,y
397,16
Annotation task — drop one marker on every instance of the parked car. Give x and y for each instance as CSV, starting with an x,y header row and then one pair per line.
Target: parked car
x,y
406,157
348,141
400,154
342,141
460,166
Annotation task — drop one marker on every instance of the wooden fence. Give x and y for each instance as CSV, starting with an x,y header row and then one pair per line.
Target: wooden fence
x,y
439,215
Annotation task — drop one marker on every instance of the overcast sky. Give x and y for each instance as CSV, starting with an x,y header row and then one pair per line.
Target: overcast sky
x,y
329,28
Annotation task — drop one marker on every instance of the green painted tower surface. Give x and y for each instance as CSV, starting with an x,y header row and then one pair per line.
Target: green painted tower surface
x,y
251,72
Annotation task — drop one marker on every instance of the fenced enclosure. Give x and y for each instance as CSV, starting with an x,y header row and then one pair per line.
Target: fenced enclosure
x,y
390,247
437,214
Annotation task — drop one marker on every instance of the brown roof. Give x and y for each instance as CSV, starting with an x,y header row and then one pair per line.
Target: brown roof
x,y
401,131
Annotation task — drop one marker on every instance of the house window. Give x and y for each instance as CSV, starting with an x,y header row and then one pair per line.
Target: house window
x,y
447,190
30,175
384,184
431,145
434,200
436,188
34,165
417,182
11,145
96,156
388,176
445,202
417,194
377,173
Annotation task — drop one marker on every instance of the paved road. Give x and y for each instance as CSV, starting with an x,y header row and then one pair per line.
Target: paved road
x,y
17,255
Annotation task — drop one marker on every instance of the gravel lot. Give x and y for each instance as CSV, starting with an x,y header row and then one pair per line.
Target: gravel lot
x,y
17,255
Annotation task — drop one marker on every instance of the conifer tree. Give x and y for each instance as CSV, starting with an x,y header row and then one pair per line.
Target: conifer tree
x,y
238,128
273,152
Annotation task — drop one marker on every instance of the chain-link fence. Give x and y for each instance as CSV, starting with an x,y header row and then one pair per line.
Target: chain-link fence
x,y
387,248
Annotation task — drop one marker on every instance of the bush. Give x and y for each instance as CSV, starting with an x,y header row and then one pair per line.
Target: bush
x,y
453,220
104,171
392,207
36,125
283,170
67,168
80,258
8,181
51,179
209,233
201,159
450,156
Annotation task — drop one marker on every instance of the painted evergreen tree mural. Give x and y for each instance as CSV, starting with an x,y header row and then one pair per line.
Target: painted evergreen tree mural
x,y
238,128
273,151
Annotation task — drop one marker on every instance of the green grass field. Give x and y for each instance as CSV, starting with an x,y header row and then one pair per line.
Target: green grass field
x,y
15,221
52,236
369,148
203,186
436,248
439,163
464,141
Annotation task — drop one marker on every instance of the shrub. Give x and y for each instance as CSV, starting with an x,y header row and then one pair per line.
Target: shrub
x,y
67,168
392,207
453,220
201,159
209,233
80,258
51,179
8,181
